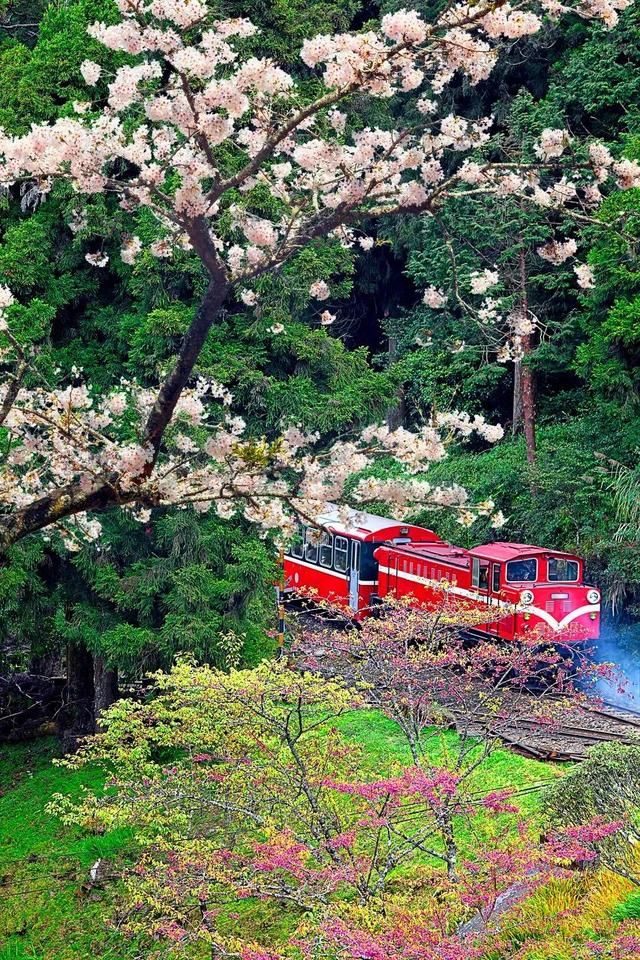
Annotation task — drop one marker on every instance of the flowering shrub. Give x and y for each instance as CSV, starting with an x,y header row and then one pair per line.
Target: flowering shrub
x,y
240,788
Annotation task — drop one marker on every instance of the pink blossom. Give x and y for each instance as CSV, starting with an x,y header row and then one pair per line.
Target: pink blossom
x,y
557,251
483,280
405,25
99,259
90,72
552,143
130,250
6,297
320,290
585,276
434,297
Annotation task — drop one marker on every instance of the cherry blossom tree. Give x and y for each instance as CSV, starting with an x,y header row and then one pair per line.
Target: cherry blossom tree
x,y
416,665
241,790
193,130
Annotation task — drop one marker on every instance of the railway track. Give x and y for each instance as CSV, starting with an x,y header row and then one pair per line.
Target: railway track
x,y
570,741
566,738
585,727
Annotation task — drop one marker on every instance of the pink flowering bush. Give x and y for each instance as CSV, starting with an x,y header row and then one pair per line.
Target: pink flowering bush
x,y
241,789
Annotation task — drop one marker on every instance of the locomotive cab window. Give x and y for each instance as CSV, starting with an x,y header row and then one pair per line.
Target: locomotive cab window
x,y
311,546
522,570
326,550
563,570
479,574
341,554
495,584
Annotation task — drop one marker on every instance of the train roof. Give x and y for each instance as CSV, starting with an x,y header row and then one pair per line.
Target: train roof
x,y
436,550
511,551
460,557
363,525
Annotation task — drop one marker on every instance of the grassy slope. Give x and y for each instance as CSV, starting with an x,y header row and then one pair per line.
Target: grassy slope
x,y
44,910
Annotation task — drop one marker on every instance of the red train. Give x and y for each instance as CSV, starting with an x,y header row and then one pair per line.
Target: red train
x,y
358,562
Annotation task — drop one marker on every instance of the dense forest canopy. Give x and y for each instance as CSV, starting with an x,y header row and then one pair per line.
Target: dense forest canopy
x,y
255,259
403,331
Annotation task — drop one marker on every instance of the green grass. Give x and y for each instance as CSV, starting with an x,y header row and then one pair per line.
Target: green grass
x,y
385,748
47,912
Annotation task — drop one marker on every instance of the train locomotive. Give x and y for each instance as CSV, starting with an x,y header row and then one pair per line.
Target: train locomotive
x,y
355,560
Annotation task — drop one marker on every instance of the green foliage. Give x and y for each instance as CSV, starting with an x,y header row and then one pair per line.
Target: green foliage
x,y
174,585
42,913
47,908
629,909
572,508
140,600
605,785
180,582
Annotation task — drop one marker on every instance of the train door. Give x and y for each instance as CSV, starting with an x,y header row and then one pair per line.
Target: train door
x,y
503,625
494,597
480,582
354,575
392,576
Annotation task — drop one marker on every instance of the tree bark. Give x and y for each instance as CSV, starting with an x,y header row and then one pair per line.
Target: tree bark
x,y
60,503
528,386
79,698
529,409
397,411
174,384
516,417
104,492
105,687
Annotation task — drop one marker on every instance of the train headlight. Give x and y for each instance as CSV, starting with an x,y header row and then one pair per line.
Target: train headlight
x,y
526,597
593,596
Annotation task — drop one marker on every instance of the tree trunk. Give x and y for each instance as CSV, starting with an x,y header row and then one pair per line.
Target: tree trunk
x,y
516,419
397,411
529,409
450,845
528,387
78,714
105,686
104,491
192,343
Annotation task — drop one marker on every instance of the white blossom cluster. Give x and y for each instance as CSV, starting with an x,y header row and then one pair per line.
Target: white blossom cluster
x,y
70,435
152,134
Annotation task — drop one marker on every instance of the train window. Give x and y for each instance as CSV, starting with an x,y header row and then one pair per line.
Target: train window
x,y
341,554
479,574
519,570
326,550
311,546
297,545
495,583
562,569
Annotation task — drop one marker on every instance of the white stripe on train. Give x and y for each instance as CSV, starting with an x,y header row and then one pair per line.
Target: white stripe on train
x,y
331,573
494,601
